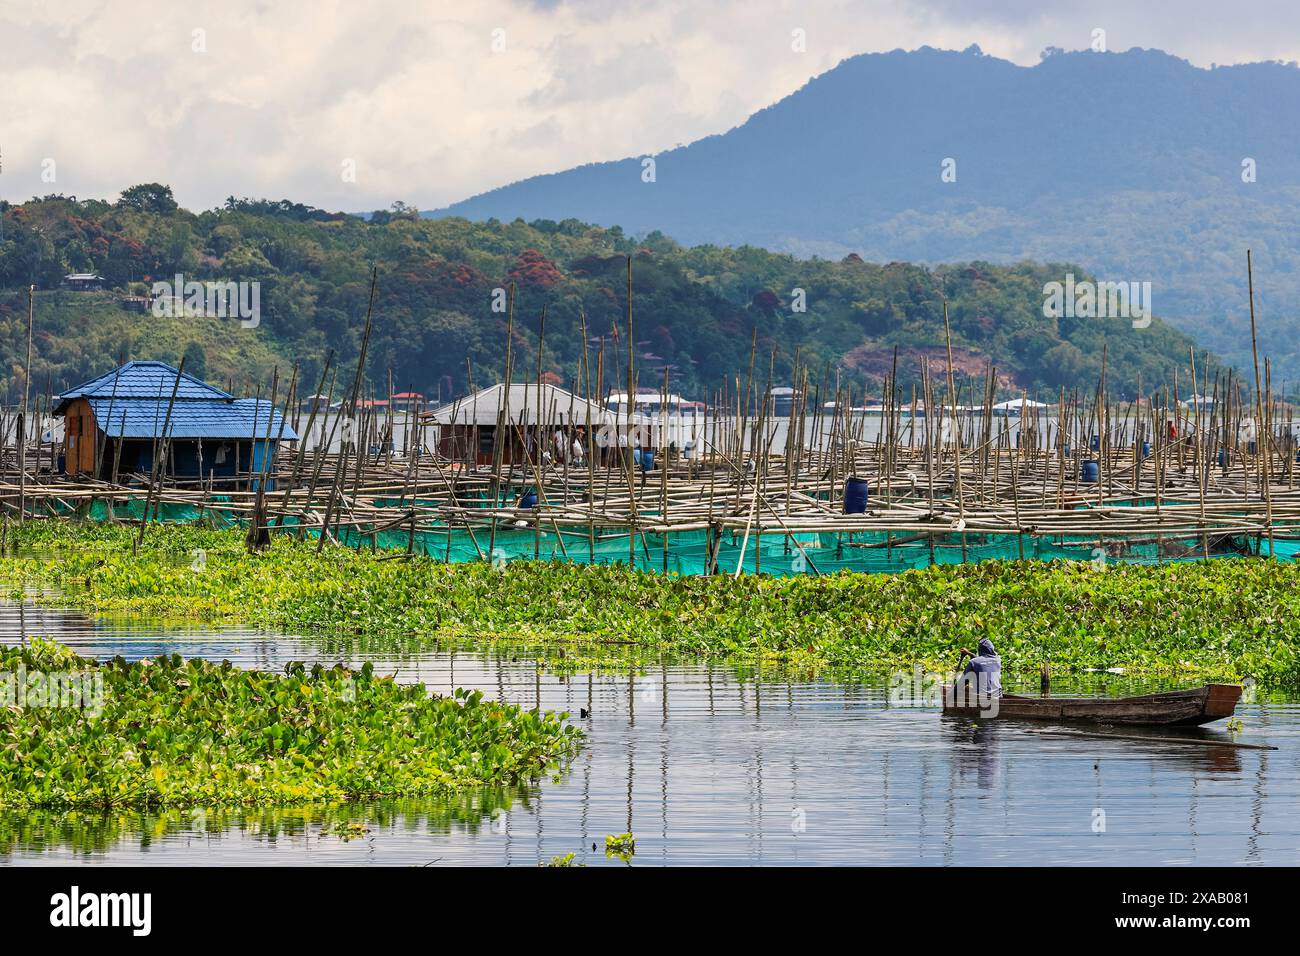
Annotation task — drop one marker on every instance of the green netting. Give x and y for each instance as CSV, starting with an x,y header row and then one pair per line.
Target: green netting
x,y
1282,549
132,509
689,552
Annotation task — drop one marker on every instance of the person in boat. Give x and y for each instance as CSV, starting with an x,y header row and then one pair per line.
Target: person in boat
x,y
984,669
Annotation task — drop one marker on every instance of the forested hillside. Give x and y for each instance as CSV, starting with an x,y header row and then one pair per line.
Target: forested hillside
x,y
696,311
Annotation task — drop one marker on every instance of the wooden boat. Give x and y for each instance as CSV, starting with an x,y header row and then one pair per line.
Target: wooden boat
x,y
1177,708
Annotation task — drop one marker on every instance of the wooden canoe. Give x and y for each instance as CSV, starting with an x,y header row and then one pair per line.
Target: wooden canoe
x,y
1177,708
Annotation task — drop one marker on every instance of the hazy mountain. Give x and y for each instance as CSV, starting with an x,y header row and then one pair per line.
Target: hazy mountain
x,y
1130,164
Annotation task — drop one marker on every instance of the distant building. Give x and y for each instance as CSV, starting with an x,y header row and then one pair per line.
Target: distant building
x,y
316,403
783,400
467,427
407,401
1018,406
652,402
82,282
113,424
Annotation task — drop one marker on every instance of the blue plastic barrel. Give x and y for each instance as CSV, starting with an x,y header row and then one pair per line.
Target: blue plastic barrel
x,y
529,500
1090,471
647,459
855,495
1146,449
1096,443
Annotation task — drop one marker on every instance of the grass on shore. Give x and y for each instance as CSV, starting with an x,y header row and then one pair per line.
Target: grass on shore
x,y
1221,620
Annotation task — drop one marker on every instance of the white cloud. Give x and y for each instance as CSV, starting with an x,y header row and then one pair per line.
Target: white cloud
x,y
415,94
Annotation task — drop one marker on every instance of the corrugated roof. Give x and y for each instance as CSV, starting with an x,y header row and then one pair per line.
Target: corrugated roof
x,y
131,402
521,403
143,380
243,418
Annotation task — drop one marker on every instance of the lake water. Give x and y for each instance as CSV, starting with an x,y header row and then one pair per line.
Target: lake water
x,y
708,765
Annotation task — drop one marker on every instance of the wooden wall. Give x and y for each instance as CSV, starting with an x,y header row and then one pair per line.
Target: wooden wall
x,y
80,439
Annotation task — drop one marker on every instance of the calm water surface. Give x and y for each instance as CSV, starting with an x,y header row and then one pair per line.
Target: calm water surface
x,y
706,765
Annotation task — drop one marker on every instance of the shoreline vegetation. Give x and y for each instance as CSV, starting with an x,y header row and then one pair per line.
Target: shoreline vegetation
x,y
1220,620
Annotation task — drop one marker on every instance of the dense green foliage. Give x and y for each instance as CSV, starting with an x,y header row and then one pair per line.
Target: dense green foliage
x,y
171,732
696,311
1225,619
79,335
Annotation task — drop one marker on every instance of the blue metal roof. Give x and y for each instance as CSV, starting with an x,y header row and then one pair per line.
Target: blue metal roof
x,y
131,402
242,418
153,380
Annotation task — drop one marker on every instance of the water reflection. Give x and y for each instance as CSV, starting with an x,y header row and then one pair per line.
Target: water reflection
x,y
706,764
87,834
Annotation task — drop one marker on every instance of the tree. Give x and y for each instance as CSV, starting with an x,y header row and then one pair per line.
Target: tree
x,y
196,361
149,197
399,210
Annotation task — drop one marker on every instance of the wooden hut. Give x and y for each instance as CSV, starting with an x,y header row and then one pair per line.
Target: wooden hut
x,y
114,423
530,414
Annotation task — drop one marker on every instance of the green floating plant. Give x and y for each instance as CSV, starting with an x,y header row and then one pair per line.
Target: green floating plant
x,y
170,732
1193,621
620,846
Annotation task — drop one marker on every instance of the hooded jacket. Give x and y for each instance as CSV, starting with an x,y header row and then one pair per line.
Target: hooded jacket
x,y
987,668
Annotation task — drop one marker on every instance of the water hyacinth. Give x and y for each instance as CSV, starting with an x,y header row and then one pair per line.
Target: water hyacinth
x,y
1221,620
176,732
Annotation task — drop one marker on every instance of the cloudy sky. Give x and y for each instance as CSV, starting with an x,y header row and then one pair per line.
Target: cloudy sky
x,y
431,102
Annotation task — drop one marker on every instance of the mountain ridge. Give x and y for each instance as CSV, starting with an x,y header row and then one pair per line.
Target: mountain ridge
x,y
1128,163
